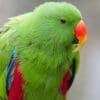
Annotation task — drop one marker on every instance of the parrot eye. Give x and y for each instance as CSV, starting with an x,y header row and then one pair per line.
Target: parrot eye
x,y
63,21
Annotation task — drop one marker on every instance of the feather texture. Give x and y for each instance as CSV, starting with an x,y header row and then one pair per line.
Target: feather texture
x,y
44,50
16,91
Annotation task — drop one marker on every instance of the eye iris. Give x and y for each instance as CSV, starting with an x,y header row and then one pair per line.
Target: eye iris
x,y
63,21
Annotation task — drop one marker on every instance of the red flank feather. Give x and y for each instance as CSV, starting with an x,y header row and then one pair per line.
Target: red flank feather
x,y
65,84
16,91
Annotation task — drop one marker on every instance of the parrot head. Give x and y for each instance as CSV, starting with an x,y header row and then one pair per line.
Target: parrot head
x,y
60,25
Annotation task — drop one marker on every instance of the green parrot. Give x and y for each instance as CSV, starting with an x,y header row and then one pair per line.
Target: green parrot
x,y
39,52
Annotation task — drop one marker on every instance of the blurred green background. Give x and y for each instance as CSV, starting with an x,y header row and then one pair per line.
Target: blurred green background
x,y
87,82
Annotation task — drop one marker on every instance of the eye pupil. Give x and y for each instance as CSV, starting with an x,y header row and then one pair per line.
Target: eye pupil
x,y
63,21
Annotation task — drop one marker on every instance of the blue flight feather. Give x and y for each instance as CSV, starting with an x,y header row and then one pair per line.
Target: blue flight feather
x,y
10,70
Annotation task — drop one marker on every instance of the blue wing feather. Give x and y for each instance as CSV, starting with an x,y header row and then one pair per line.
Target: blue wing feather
x,y
10,70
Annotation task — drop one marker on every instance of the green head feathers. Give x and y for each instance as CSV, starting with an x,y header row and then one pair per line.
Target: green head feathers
x,y
55,23
50,27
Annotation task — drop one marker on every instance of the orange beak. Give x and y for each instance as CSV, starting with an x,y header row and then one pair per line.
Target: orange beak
x,y
81,34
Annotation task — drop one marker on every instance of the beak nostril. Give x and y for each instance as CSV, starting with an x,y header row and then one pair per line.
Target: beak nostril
x,y
75,41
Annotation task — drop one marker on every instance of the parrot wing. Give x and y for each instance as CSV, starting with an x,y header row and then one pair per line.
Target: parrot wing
x,y
7,36
69,76
73,68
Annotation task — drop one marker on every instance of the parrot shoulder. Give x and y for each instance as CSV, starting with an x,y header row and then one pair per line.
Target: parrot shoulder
x,y
7,37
